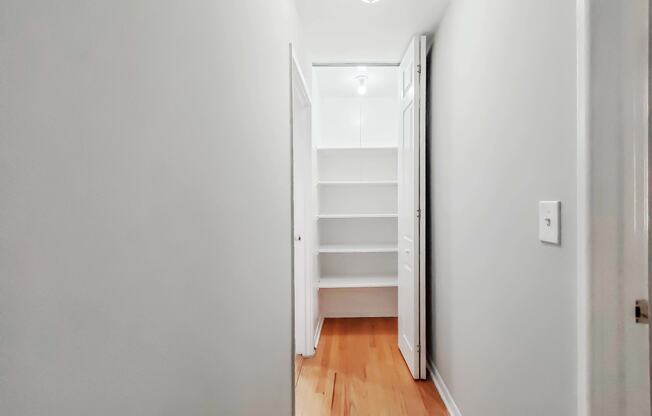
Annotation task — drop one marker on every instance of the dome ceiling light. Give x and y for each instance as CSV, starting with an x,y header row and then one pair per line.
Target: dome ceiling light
x,y
362,84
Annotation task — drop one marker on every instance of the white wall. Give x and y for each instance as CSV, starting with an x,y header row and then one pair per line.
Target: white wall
x,y
145,244
344,118
502,137
353,122
302,47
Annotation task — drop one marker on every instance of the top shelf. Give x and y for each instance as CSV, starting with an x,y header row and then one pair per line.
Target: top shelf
x,y
344,148
353,183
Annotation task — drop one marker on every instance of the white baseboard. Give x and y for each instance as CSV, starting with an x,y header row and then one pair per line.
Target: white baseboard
x,y
320,324
445,394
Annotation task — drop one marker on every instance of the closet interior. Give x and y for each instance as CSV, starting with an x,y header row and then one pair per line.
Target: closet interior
x,y
355,137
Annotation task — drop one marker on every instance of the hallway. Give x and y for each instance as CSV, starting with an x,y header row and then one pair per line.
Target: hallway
x,y
358,370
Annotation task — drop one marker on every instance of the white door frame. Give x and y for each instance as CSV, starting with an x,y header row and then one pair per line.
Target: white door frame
x,y
612,207
303,283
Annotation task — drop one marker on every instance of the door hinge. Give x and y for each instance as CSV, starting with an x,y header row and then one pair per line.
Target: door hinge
x,y
641,311
419,213
419,69
418,348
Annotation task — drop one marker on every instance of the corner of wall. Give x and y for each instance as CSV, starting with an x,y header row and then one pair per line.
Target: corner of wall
x,y
445,394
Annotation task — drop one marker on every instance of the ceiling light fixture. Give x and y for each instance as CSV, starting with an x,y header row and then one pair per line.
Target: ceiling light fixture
x,y
362,84
371,1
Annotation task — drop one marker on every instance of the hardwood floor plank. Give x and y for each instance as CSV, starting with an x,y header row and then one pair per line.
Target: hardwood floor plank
x,y
358,371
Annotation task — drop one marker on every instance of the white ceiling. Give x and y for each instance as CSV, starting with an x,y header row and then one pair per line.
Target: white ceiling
x,y
340,82
354,31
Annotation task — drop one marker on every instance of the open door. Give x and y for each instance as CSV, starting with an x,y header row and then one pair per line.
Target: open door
x,y
302,209
411,212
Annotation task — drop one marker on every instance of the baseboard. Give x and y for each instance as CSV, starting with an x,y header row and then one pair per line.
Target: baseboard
x,y
445,394
320,324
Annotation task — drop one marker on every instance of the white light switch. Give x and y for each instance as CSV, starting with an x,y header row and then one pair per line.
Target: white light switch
x,y
549,221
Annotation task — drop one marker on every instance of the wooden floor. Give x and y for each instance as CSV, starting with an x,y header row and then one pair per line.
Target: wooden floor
x,y
358,370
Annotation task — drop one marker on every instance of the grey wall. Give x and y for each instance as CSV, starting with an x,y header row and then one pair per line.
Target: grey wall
x,y
145,245
502,137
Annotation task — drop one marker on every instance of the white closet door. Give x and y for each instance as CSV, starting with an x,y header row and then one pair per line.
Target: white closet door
x,y
304,293
299,201
411,283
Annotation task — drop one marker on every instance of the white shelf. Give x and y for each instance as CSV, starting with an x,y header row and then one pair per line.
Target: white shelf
x,y
345,148
348,282
331,183
345,216
367,248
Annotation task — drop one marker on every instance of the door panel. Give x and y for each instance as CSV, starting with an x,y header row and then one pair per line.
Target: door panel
x,y
299,230
409,279
303,222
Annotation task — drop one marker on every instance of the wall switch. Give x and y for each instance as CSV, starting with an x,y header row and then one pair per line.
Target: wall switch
x,y
549,221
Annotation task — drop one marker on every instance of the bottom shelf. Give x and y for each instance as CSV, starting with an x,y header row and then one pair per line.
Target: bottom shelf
x,y
347,282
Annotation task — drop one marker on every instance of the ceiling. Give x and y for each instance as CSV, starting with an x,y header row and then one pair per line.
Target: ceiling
x,y
340,82
339,31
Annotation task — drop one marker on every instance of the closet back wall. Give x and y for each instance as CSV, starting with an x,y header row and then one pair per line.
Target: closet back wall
x,y
344,118
359,121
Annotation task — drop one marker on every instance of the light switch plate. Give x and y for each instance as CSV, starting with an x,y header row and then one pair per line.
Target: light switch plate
x,y
549,222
